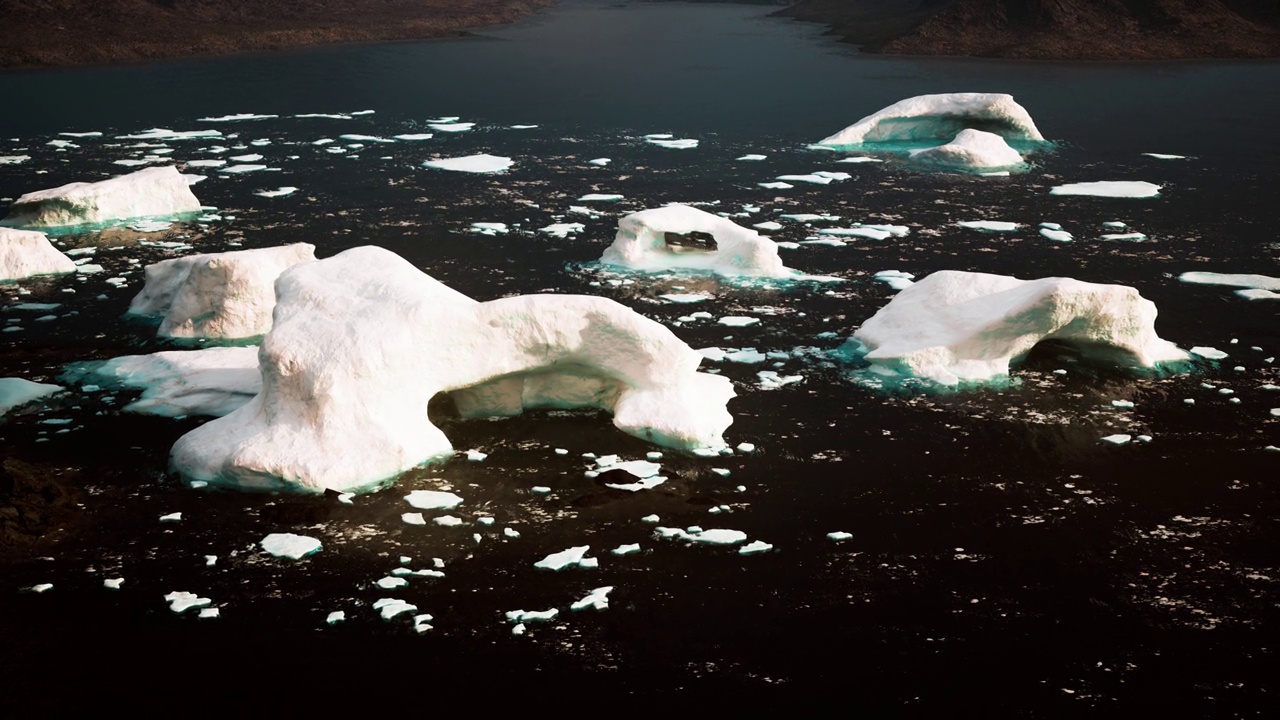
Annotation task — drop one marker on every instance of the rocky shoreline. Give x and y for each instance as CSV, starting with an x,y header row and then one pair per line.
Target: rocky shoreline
x,y
56,33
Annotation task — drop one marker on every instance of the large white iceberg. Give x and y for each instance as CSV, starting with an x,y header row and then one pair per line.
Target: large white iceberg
x,y
362,341
155,191
970,150
961,326
940,117
683,237
218,295
24,253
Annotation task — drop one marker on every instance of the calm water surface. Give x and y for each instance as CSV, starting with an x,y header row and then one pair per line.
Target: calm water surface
x,y
1002,559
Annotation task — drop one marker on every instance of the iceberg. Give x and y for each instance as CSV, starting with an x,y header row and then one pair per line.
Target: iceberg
x,y
954,326
1110,189
472,163
940,117
684,237
26,253
363,340
970,150
152,192
223,296
176,383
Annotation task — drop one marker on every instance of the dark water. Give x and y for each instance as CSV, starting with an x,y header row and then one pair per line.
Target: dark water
x,y
1003,560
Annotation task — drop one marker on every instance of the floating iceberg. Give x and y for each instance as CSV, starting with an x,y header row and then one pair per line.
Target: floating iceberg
x,y
362,341
218,295
989,225
1109,188
940,117
472,163
158,191
1256,287
15,392
25,253
954,326
679,236
175,383
970,150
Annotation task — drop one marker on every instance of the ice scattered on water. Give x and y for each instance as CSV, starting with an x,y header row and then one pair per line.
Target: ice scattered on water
x,y
391,607
682,144
896,279
859,159
391,583
362,139
13,159
241,169
451,127
528,616
166,134
564,558
562,230
768,225
715,536
251,157
482,163
989,225
206,163
289,545
489,228
686,297
597,599
278,192
15,392
771,380
1110,189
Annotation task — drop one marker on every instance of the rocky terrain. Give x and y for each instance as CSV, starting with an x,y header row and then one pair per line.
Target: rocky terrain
x,y
1054,29
73,32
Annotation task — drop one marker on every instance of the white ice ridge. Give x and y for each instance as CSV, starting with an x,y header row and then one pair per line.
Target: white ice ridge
x,y
650,240
25,253
970,150
472,163
363,340
218,295
155,191
1255,287
1109,188
940,117
213,381
957,326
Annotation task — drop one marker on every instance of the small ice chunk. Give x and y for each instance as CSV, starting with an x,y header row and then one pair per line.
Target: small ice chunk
x,y
41,587
680,144
210,560
241,169
237,118
776,185
989,225
752,157
181,601
650,519
412,137
278,192
599,197
482,163
564,558
772,380
448,521
686,297
489,228
433,499
597,599
599,161
391,582
540,489
1162,156
391,607
738,321
112,583
1208,353
476,456
526,616
1121,403
859,159
171,517
1056,235
562,230
207,613
1118,439
250,158
451,127
768,225
413,519
289,545
627,549
511,533
839,536
335,617
1110,189
755,547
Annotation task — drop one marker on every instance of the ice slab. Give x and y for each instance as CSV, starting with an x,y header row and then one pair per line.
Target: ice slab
x,y
28,253
940,117
562,230
13,159
177,383
289,545
239,117
896,279
158,191
564,558
599,197
348,413
776,185
715,536
989,225
685,237
839,536
167,134
627,549
217,295
738,321
433,499
752,157
413,137
182,601
755,547
954,326
1208,353
16,392
1163,156
1124,237
600,162
278,192
1257,287
597,599
681,144
1056,235
451,127
472,163
1118,439
1110,189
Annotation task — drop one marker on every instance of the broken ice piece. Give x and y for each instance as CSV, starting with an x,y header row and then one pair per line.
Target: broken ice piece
x,y
508,532
628,549
289,545
525,616
564,558
433,499
1121,403
1118,439
171,517
209,613
335,617
41,587
391,607
839,536
182,601
413,518
1208,353
448,521
597,599
391,583
755,547
746,447
112,583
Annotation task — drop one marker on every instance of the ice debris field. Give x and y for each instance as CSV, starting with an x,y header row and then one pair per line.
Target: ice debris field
x,y
463,342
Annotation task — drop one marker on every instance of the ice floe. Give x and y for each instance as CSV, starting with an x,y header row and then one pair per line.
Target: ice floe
x,y
289,545
564,559
1255,287
940,117
240,117
562,230
217,295
472,163
166,134
680,144
363,340
994,226
433,499
27,253
958,326
597,599
451,127
159,191
278,192
182,601
175,383
16,392
1109,189
715,536
684,237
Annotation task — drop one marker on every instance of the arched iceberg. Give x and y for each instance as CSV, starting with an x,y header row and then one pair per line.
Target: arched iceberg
x,y
954,326
362,341
151,192
683,237
940,117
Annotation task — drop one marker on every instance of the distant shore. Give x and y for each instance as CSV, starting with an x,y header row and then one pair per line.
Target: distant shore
x,y
60,33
